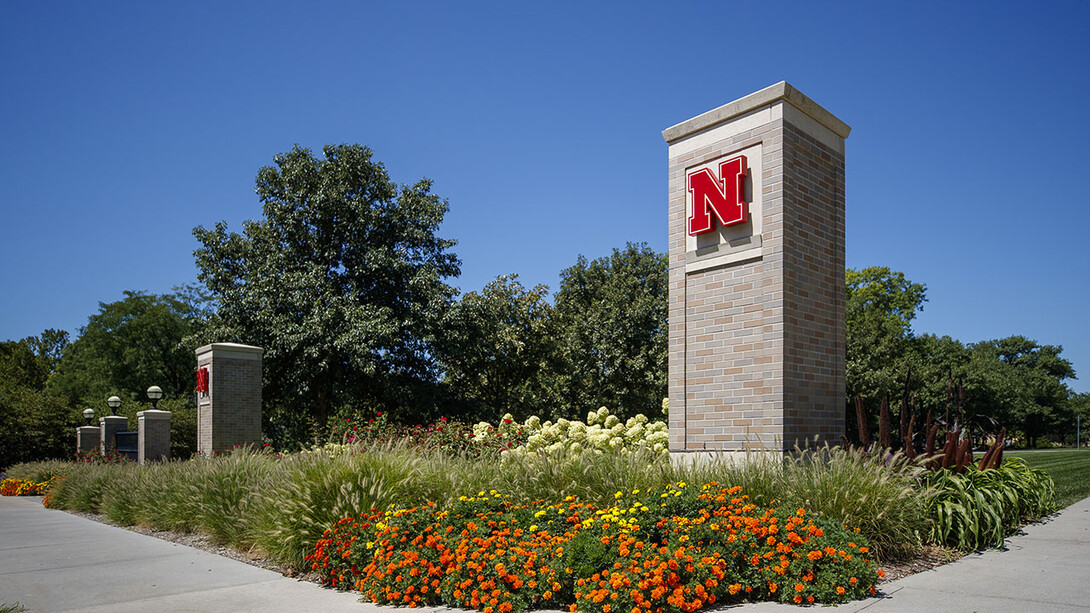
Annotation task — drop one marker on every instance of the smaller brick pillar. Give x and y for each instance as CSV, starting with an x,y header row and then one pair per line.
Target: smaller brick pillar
x,y
87,438
110,426
153,435
229,412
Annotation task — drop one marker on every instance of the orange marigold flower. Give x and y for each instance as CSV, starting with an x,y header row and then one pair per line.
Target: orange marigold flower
x,y
799,587
840,590
881,573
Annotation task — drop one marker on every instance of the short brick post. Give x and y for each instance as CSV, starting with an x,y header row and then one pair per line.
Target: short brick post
x,y
88,438
229,411
110,426
153,435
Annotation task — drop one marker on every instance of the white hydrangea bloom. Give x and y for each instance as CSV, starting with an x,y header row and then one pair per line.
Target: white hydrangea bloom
x,y
481,429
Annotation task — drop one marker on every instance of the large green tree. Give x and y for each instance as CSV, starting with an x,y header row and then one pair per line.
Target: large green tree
x,y
880,306
33,424
126,347
612,312
342,282
502,353
1029,382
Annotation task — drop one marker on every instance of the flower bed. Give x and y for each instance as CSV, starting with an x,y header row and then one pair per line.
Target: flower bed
x,y
675,550
24,487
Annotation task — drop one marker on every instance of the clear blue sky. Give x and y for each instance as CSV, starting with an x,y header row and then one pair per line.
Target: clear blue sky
x,y
125,124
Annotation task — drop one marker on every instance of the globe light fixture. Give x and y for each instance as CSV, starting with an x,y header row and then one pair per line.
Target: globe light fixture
x,y
113,402
154,394
88,414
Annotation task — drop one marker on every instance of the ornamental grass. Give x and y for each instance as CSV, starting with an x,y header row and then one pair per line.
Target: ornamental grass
x,y
281,504
672,549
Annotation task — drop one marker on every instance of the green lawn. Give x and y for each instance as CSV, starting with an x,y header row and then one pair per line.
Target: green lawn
x,y
1070,469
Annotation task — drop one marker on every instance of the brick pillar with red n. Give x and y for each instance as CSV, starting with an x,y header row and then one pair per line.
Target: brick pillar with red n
x,y
756,248
228,396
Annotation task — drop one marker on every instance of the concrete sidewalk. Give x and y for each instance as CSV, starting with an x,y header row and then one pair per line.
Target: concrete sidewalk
x,y
51,561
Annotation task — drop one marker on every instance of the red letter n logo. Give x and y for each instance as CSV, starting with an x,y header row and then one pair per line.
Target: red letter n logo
x,y
724,195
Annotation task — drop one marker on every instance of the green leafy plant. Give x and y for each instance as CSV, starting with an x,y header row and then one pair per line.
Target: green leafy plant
x,y
979,508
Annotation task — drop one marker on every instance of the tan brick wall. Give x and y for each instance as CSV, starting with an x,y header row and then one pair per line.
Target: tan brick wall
x,y
153,436
88,438
814,334
757,334
109,426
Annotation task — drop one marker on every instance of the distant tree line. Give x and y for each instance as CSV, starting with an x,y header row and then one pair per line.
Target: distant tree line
x,y
345,283
1012,382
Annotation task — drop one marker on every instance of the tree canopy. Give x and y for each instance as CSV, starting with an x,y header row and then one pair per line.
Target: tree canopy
x,y
880,306
1013,381
501,355
342,282
612,312
33,424
128,346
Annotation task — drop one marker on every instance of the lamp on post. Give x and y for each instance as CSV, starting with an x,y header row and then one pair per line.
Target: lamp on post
x,y
154,394
113,402
88,414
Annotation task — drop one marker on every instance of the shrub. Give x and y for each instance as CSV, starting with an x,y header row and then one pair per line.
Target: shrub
x,y
95,456
601,433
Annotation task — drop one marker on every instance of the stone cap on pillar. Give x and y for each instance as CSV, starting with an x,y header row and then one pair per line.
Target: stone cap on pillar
x,y
233,350
113,418
87,428
780,91
153,414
